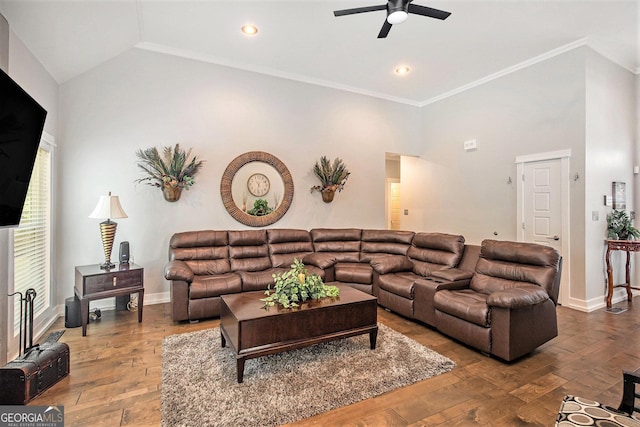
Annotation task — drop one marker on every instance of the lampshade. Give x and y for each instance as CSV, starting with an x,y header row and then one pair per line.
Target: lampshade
x,y
108,207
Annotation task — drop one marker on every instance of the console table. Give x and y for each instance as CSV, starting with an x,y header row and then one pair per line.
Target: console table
x,y
94,283
620,245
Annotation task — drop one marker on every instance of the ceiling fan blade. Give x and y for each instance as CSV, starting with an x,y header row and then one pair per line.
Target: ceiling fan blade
x,y
359,10
384,30
427,11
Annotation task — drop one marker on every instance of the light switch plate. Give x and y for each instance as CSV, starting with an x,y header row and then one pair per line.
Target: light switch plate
x,y
470,144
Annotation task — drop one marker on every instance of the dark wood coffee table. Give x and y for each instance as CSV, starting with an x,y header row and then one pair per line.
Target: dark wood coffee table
x,y
253,331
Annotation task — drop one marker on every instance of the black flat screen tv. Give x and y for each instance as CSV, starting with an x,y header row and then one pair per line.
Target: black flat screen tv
x,y
21,125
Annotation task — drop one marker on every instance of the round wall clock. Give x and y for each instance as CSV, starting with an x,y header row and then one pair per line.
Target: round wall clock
x,y
258,184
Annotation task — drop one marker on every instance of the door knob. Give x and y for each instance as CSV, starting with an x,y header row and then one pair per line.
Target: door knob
x,y
556,237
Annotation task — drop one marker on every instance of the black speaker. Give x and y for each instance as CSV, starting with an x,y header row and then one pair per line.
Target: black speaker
x,y
72,315
124,252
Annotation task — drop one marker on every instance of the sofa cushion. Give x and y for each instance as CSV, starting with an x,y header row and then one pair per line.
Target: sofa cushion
x,y
205,252
285,245
399,283
248,250
194,239
259,280
350,272
391,264
319,260
504,265
215,285
378,243
204,267
434,251
341,243
464,304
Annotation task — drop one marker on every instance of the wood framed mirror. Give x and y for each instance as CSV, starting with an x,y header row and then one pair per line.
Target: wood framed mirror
x,y
239,184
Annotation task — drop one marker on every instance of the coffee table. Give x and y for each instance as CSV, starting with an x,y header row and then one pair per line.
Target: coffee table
x,y
254,331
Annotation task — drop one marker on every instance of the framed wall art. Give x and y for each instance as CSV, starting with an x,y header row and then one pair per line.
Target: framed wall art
x,y
618,195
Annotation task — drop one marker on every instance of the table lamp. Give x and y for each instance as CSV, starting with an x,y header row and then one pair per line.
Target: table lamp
x,y
108,207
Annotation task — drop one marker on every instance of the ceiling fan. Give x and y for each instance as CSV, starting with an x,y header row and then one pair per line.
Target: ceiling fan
x,y
397,12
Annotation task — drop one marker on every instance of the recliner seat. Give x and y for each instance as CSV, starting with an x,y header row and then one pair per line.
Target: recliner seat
x,y
397,277
509,307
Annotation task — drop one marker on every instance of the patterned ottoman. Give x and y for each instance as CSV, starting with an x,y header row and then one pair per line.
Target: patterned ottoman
x,y
576,411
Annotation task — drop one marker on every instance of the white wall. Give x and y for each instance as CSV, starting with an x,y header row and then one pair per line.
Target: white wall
x,y
142,99
579,101
610,148
537,109
534,110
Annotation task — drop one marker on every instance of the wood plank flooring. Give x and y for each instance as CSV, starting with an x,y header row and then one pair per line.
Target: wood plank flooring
x,y
116,374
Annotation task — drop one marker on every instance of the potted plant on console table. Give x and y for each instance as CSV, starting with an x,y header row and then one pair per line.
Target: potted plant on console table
x,y
619,226
172,171
297,286
333,176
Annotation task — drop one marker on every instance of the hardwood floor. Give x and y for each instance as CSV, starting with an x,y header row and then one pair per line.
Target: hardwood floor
x,y
116,374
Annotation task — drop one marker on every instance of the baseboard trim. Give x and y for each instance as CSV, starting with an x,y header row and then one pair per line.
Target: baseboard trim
x,y
110,303
597,303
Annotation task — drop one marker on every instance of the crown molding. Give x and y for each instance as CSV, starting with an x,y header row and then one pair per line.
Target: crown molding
x,y
517,67
154,47
607,53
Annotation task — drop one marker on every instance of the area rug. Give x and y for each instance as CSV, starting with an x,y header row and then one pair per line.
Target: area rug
x,y
199,386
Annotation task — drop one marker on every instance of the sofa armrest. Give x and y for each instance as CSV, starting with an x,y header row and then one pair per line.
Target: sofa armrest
x,y
391,264
452,274
438,285
518,297
319,259
178,270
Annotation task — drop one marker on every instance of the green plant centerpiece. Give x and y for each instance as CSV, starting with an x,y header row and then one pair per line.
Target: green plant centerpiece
x,y
260,208
332,175
619,226
296,286
172,171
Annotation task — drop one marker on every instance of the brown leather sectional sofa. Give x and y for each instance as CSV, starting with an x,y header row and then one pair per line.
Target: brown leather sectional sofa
x,y
499,297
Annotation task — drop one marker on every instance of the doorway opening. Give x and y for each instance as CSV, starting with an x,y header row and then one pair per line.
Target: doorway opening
x,y
392,192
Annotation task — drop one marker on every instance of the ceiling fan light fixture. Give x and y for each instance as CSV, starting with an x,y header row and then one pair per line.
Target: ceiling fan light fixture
x,y
402,70
397,17
249,29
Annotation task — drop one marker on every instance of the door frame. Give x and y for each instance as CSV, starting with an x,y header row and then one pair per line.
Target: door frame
x,y
564,156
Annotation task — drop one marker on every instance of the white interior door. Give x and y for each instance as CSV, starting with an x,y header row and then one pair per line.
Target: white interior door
x,y
542,203
543,207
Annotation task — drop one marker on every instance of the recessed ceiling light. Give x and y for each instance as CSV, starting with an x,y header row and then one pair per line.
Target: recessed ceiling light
x,y
402,70
250,29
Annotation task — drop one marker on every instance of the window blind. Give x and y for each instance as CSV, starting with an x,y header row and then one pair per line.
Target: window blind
x,y
31,247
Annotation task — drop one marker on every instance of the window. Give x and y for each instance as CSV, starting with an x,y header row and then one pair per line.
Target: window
x,y
31,241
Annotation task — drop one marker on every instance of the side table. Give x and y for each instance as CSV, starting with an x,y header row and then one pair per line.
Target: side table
x,y
620,245
93,283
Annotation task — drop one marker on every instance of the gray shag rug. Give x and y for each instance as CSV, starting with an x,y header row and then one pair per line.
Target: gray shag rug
x,y
199,386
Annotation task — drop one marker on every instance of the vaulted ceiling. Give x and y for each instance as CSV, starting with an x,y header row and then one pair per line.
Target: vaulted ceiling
x,y
302,40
